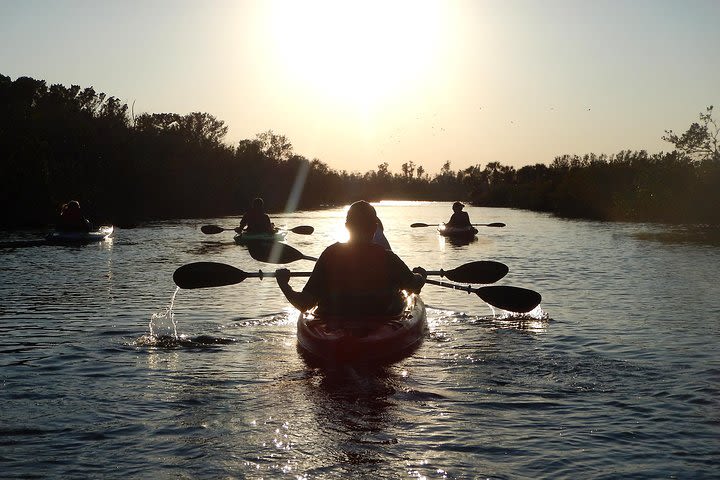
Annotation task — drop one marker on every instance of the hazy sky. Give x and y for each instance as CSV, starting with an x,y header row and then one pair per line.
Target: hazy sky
x,y
355,84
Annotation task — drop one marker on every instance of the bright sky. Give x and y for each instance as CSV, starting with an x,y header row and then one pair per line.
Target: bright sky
x,y
358,83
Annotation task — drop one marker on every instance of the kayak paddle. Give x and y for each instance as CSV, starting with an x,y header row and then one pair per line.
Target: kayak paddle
x,y
512,299
214,274
213,229
484,271
496,224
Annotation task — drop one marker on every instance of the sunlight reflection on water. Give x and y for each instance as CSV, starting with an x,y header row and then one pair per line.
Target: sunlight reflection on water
x,y
617,363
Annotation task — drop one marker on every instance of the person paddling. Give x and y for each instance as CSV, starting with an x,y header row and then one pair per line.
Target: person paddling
x,y
459,219
358,276
71,218
256,220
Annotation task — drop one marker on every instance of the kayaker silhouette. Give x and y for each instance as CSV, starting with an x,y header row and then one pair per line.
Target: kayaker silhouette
x,y
360,277
256,220
71,218
459,219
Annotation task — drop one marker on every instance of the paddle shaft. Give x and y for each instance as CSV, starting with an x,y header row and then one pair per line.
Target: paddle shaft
x,y
454,286
260,274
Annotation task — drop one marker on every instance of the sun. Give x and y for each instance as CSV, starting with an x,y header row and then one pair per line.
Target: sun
x,y
357,54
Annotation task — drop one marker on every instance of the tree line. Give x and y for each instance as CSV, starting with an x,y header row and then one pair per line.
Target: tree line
x,y
59,143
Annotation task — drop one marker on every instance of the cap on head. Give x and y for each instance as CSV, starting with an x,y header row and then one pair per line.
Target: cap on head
x,y
257,202
457,206
361,216
73,205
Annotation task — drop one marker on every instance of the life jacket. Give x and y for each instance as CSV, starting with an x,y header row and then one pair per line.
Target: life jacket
x,y
258,222
357,280
72,221
459,220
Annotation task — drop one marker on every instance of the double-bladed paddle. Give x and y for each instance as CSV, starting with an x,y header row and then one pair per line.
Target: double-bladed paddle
x,y
512,299
213,274
213,229
484,271
496,224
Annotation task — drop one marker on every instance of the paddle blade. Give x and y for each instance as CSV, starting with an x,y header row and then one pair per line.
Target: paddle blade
x,y
207,274
512,299
484,271
211,229
275,252
416,225
303,230
496,224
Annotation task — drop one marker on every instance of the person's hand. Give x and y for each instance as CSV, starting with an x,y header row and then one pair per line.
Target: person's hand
x,y
419,281
282,276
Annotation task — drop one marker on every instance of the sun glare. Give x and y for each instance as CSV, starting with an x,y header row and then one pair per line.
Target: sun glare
x,y
357,54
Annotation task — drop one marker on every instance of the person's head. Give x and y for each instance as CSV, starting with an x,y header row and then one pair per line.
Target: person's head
x,y
361,220
257,203
72,205
457,206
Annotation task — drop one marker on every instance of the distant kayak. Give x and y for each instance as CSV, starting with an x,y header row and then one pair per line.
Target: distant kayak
x,y
457,232
61,238
357,339
245,238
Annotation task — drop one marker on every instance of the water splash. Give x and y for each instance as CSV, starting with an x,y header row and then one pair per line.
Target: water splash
x,y
163,328
163,325
164,334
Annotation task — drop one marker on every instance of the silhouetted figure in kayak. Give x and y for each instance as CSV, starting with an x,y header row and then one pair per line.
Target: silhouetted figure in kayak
x,y
256,220
358,277
71,219
459,219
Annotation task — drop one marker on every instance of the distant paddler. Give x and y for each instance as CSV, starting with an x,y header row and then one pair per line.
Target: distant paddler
x,y
256,220
71,219
459,219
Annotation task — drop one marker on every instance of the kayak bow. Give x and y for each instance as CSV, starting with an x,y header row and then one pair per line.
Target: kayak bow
x,y
79,238
245,238
457,232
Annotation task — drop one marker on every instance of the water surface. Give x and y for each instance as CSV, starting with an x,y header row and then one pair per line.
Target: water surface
x,y
616,376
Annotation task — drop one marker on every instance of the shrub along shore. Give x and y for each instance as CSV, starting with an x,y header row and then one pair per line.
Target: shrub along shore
x,y
59,143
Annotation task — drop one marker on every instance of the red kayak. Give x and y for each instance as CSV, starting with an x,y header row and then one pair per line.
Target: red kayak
x,y
356,339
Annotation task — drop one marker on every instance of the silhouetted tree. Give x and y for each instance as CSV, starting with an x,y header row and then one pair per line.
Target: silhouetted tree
x,y
59,142
700,141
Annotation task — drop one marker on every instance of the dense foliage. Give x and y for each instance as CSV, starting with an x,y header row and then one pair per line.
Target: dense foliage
x,y
59,143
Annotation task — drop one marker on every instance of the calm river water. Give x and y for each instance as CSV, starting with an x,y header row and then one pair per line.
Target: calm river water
x,y
616,376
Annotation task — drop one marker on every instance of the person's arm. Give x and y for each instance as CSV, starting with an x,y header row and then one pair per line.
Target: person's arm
x,y
452,221
303,301
407,280
243,222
